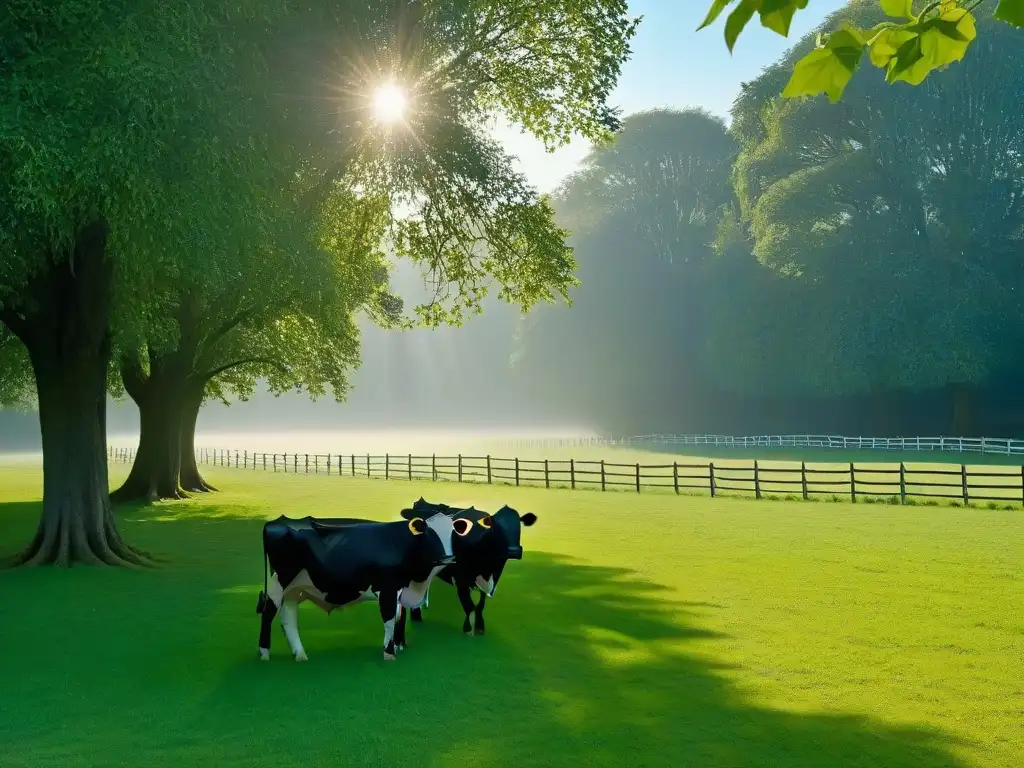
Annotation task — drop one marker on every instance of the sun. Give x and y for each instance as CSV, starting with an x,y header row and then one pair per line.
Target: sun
x,y
389,103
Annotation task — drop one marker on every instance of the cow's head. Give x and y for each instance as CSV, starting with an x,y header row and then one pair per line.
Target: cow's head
x,y
511,523
446,537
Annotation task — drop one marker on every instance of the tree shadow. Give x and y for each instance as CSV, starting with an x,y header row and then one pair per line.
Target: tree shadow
x,y
582,663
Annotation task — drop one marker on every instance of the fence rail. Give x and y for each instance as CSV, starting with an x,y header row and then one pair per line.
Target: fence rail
x,y
1001,445
897,484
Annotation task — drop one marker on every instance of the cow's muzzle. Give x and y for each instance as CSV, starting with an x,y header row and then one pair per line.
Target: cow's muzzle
x,y
515,553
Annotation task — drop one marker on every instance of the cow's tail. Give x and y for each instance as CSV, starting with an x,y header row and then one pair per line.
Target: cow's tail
x,y
261,602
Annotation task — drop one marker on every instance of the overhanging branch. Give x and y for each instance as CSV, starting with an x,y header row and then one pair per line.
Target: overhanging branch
x,y
246,361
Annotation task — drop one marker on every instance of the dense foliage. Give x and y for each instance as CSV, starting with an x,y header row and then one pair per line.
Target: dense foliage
x,y
195,196
868,248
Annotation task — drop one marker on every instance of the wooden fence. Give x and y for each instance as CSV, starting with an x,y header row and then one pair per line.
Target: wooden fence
x,y
1000,445
896,484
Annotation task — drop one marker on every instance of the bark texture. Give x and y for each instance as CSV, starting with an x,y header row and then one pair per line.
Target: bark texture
x,y
169,399
64,321
191,478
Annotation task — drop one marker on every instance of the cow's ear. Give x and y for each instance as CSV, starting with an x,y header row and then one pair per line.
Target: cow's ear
x,y
418,525
408,514
528,519
487,521
462,525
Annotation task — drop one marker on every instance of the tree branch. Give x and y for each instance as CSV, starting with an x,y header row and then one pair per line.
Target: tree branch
x,y
245,361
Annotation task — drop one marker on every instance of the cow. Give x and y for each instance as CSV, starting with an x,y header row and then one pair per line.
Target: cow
x,y
337,562
480,566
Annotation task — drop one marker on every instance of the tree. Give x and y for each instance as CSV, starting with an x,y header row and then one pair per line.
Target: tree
x,y
894,221
106,113
643,212
908,46
473,222
279,311
16,385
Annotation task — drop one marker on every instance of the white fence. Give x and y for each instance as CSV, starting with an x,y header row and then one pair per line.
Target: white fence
x,y
1002,445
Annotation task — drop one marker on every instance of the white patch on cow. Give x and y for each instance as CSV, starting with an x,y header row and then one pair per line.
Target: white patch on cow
x,y
442,525
415,595
485,585
290,624
389,634
426,597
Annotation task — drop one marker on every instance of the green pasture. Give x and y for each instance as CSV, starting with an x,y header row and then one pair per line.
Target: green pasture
x,y
640,630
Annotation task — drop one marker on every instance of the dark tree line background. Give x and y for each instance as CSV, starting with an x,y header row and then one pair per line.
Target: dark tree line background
x,y
851,268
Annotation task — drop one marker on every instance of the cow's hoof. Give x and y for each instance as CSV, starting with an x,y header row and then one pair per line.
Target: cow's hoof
x,y
469,632
301,656
399,647
389,656
264,654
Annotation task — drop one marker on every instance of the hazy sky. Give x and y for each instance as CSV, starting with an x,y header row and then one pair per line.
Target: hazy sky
x,y
673,66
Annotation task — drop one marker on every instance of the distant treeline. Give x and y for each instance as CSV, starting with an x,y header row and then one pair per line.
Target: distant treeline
x,y
854,268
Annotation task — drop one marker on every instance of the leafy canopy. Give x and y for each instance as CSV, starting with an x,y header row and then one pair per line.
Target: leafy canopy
x,y
907,46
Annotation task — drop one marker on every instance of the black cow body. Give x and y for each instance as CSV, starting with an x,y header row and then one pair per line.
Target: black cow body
x,y
479,567
337,562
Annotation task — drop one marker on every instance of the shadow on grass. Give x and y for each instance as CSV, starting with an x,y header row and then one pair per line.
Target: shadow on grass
x,y
581,664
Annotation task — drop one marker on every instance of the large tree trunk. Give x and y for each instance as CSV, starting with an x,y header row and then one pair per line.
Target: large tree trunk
x,y
191,479
156,470
66,330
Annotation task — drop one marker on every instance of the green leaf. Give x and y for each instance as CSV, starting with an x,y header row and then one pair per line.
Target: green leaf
x,y
716,10
1011,11
938,42
902,9
828,69
738,20
777,15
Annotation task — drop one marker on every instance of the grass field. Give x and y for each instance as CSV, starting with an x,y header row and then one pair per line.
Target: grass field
x,y
639,630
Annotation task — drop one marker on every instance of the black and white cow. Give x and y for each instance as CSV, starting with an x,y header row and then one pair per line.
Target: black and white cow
x,y
481,565
336,562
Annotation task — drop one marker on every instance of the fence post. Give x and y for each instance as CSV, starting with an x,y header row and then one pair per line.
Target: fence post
x,y
328,463
245,460
602,474
433,467
307,463
517,471
903,483
711,477
488,469
410,466
638,477
803,478
757,481
368,465
963,482
284,456
236,459
352,460
460,467
547,478
387,466
572,473
675,476
275,462
316,464
853,483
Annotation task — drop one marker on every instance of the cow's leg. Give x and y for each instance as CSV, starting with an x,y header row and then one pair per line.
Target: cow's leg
x,y
266,606
290,625
466,599
478,616
400,628
388,611
416,614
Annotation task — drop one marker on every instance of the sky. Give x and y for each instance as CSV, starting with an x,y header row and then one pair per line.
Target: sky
x,y
672,65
